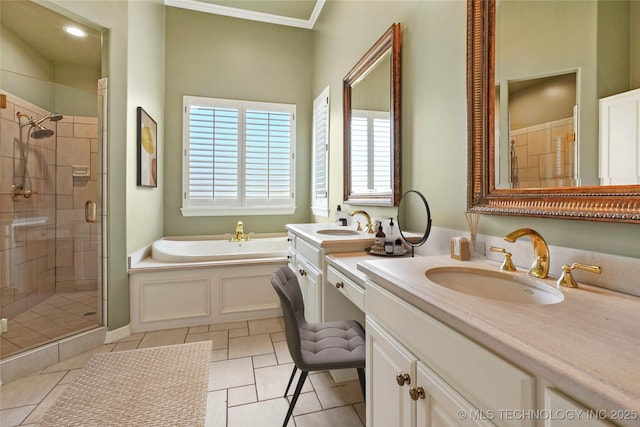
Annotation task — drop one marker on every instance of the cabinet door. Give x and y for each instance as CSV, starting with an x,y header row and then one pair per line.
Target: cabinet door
x,y
388,403
439,405
309,279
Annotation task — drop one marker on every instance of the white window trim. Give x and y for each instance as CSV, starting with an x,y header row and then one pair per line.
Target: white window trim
x,y
255,207
320,206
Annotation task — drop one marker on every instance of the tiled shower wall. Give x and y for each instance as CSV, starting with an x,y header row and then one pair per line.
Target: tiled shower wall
x,y
46,246
545,155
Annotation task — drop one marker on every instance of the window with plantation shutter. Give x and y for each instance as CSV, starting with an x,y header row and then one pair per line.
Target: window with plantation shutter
x,y
320,163
239,157
370,152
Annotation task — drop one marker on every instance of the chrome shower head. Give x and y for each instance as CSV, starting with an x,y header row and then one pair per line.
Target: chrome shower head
x,y
41,132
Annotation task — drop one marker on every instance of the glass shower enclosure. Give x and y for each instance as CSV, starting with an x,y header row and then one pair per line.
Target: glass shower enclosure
x,y
50,208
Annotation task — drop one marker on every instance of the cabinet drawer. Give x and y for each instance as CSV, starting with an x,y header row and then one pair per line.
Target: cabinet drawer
x,y
348,287
309,252
557,403
483,378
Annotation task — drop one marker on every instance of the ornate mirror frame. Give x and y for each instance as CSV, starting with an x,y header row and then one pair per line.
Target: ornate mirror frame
x,y
620,203
389,42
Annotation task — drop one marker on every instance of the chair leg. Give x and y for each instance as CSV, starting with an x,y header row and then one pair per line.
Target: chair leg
x,y
293,374
361,377
296,394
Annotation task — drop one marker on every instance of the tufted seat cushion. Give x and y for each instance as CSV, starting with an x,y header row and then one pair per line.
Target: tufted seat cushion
x,y
332,345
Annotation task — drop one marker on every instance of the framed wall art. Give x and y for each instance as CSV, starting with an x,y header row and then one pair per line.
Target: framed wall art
x,y
147,137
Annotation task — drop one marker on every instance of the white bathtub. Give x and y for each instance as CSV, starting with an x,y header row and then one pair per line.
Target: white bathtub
x,y
218,250
199,282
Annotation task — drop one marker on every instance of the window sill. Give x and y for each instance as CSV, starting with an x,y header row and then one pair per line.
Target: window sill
x,y
207,211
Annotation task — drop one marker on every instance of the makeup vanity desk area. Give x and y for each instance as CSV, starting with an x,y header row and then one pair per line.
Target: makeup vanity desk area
x,y
437,355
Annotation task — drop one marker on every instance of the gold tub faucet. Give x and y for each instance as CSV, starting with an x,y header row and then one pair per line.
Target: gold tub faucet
x,y
540,266
239,231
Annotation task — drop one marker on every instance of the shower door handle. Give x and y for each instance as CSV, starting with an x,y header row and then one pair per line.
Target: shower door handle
x,y
90,211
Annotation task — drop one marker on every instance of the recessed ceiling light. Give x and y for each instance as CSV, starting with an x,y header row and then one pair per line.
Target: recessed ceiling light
x,y
75,31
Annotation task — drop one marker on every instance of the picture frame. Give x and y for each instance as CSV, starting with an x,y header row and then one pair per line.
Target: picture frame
x,y
147,146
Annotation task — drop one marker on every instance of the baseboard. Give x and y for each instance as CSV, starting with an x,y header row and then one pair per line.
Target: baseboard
x,y
117,334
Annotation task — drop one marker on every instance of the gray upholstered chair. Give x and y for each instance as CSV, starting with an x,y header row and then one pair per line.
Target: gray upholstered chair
x,y
315,346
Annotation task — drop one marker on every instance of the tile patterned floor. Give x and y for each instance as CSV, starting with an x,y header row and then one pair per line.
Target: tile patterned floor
x,y
248,373
58,316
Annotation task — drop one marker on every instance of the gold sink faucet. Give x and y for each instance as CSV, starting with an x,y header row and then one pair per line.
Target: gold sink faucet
x,y
368,218
540,266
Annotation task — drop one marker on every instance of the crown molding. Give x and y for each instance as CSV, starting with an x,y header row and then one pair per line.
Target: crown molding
x,y
248,14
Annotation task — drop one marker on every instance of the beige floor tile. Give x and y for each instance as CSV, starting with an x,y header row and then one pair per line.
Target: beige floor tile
x,y
345,416
127,345
46,403
29,390
282,352
228,325
307,403
219,339
361,409
266,326
242,332
164,337
250,346
264,360
198,329
15,416
70,376
269,413
338,394
278,336
216,415
230,373
218,355
241,395
133,337
271,382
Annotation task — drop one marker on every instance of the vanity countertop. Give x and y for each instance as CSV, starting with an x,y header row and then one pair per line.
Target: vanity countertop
x,y
310,232
588,345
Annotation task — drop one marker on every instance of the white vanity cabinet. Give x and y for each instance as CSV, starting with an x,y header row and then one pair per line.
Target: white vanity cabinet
x,y
307,251
304,260
451,380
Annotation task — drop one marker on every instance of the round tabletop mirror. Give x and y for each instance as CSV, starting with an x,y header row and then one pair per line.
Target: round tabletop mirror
x,y
414,219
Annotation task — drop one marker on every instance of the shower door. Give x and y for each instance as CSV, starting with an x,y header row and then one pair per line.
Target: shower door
x,y
51,247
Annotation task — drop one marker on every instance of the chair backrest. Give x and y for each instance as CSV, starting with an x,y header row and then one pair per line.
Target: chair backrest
x,y
285,282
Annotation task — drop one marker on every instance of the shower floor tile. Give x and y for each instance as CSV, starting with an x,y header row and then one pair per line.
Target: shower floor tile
x,y
58,316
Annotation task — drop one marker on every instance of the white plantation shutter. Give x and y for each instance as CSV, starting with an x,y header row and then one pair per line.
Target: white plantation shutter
x,y
238,155
370,152
320,161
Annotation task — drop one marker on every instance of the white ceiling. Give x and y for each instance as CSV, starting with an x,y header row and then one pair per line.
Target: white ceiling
x,y
41,28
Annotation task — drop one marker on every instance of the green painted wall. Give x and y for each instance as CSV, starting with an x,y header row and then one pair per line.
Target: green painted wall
x,y
220,57
434,115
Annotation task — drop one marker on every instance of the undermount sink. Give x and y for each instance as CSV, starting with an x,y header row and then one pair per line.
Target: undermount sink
x,y
496,285
337,232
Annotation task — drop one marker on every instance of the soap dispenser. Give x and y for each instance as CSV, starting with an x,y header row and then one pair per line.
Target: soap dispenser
x,y
341,219
391,238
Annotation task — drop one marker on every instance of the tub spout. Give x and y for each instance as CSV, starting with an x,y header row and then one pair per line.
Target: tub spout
x,y
239,231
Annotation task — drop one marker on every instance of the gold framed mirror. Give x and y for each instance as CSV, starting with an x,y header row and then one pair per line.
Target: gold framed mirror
x,y
613,203
371,108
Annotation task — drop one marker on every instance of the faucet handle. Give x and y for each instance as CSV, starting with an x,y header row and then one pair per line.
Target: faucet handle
x,y
507,265
567,279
